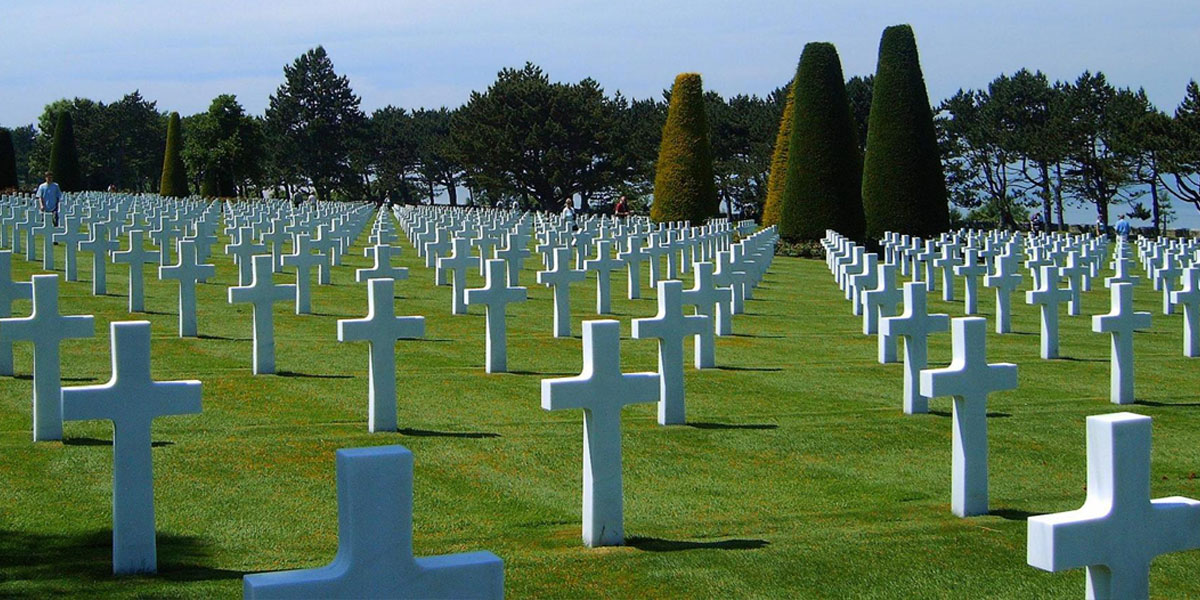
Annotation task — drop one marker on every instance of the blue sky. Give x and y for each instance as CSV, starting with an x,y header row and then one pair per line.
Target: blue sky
x,y
433,53
410,54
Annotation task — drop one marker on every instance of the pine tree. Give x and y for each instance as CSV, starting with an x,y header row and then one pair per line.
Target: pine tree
x,y
779,162
174,175
64,157
8,161
684,188
903,188
824,170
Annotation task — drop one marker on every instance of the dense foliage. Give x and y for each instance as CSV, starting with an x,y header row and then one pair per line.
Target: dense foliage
x,y
684,188
823,186
8,161
174,174
64,158
903,187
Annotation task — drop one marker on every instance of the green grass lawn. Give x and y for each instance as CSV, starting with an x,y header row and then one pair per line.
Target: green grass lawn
x,y
798,476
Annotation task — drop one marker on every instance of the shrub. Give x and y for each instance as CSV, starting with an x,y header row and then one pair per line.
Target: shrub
x,y
779,162
64,157
174,175
824,171
684,188
903,187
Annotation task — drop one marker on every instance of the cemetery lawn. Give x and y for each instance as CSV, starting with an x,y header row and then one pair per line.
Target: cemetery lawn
x,y
797,476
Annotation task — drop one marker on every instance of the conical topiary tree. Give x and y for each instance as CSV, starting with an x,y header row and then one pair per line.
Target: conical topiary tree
x,y
823,186
64,158
8,161
779,161
174,174
684,187
904,188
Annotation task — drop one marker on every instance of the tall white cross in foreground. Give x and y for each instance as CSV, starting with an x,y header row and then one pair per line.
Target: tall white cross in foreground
x,y
970,379
495,296
601,390
132,400
1119,530
1121,323
46,328
381,329
671,326
374,556
262,294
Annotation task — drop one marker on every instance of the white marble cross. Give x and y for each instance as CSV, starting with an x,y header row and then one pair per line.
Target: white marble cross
x,y
603,265
1119,530
70,236
634,255
671,326
1164,279
46,328
101,246
10,291
47,230
457,265
713,302
1075,274
881,301
914,325
262,294
1005,279
601,390
559,277
514,254
131,400
970,270
1188,296
495,295
1120,323
242,250
969,379
1121,267
303,260
375,556
1049,296
137,256
381,328
946,263
187,271
381,256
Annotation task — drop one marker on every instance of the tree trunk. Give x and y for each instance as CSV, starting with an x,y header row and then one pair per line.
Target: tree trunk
x,y
452,191
1058,198
1046,193
1158,224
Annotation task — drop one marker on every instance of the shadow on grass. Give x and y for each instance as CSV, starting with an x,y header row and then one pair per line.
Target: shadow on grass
x,y
472,435
764,336
543,373
205,336
317,314
311,375
761,369
28,377
733,425
1013,514
649,544
1076,359
991,415
88,557
156,312
85,441
1165,404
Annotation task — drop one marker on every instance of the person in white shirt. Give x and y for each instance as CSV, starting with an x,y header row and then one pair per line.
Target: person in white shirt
x,y
49,196
568,213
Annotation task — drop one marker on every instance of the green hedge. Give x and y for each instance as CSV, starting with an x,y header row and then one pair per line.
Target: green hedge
x,y
779,162
903,189
8,161
684,187
64,157
824,170
174,174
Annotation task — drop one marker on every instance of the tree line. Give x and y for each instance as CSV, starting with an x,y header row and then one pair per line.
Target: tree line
x,y
1022,143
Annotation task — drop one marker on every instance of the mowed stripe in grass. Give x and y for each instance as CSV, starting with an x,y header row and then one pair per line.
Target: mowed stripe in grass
x,y
797,476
